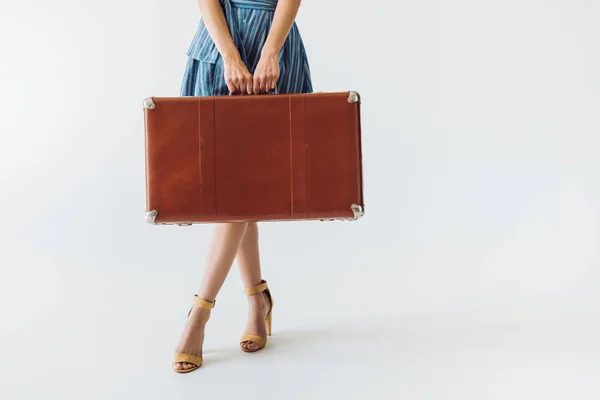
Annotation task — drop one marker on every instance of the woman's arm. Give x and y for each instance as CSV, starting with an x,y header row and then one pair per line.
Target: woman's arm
x,y
284,17
237,76
267,70
216,25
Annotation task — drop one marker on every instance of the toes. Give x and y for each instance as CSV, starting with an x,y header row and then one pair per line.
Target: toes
x,y
183,366
179,366
249,346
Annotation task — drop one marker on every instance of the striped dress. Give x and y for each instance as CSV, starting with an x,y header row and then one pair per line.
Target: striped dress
x,y
249,22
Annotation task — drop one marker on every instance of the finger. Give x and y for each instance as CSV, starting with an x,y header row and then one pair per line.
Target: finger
x,y
231,87
242,87
256,85
264,86
244,84
267,84
238,86
249,85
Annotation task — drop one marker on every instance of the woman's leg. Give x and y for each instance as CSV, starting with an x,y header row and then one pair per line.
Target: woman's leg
x,y
248,260
225,243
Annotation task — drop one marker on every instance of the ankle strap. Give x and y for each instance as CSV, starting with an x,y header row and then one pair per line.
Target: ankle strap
x,y
261,287
207,305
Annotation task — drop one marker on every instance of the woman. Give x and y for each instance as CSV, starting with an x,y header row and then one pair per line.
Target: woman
x,y
245,47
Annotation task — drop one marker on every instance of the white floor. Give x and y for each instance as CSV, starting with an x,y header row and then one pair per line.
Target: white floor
x,y
120,347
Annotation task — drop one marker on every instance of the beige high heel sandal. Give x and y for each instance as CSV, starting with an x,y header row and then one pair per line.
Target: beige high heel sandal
x,y
188,357
254,338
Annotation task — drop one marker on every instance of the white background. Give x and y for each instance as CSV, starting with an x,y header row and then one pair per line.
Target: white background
x,y
473,275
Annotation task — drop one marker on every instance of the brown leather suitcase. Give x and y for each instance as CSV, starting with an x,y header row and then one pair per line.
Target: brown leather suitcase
x,y
253,158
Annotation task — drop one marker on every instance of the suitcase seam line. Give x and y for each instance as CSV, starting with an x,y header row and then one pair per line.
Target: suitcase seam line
x,y
291,157
214,132
305,159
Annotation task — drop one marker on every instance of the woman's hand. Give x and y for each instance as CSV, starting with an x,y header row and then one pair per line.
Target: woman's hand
x,y
266,74
237,76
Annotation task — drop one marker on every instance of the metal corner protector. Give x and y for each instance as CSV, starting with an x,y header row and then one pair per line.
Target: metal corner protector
x,y
149,103
151,217
354,97
358,211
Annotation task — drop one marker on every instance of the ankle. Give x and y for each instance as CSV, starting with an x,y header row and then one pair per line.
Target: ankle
x,y
199,313
259,300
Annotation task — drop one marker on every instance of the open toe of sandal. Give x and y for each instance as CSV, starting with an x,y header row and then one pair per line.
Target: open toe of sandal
x,y
181,358
249,339
187,358
258,340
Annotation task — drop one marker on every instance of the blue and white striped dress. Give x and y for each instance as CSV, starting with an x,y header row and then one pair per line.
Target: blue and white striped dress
x,y
249,23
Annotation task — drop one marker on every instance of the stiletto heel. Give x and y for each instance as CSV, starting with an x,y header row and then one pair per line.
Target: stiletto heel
x,y
189,357
252,337
268,323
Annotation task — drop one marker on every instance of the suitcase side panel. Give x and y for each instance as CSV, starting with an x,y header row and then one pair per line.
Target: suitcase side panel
x,y
252,157
172,160
333,156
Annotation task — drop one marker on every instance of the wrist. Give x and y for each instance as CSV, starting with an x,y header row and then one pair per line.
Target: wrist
x,y
231,56
269,52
